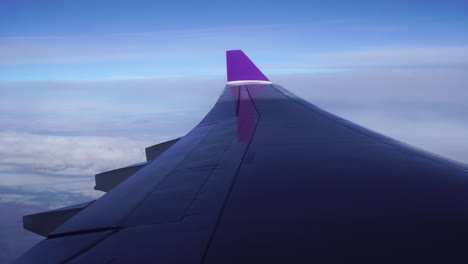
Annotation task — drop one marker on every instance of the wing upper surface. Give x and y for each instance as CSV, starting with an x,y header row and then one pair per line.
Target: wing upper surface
x,y
318,188
177,196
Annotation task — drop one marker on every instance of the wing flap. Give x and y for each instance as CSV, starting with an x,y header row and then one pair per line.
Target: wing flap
x,y
106,181
154,151
44,223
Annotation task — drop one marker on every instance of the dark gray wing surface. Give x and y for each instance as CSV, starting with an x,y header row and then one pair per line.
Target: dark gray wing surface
x,y
316,188
268,177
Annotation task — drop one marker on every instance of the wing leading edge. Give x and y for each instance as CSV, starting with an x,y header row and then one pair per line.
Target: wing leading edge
x,y
266,176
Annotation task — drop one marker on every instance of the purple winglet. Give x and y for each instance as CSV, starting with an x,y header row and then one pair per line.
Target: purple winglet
x,y
241,68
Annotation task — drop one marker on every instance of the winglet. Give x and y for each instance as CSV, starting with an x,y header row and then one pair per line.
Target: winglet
x,y
241,70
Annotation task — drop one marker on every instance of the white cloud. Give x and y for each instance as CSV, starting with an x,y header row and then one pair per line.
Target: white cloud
x,y
67,155
174,50
25,199
44,190
415,56
160,45
425,85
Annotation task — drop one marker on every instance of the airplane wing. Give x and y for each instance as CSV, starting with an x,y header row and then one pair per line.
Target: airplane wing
x,y
267,177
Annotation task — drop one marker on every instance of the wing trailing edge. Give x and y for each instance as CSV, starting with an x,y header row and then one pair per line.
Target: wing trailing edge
x,y
46,222
106,181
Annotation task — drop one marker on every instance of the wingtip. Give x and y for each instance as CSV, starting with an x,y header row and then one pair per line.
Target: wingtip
x,y
241,69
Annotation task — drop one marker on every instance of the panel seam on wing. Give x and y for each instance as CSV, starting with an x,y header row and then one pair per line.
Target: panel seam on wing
x,y
394,147
220,214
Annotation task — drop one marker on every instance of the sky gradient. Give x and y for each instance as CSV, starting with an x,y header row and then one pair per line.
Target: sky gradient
x,y
85,86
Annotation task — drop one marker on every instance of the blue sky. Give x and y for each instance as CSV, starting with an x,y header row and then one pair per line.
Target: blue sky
x,y
85,86
32,18
89,40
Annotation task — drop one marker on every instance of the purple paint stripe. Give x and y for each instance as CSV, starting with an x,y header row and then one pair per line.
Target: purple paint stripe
x,y
240,67
247,114
247,118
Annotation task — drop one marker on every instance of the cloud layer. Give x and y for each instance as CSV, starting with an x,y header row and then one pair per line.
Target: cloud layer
x,y
62,155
